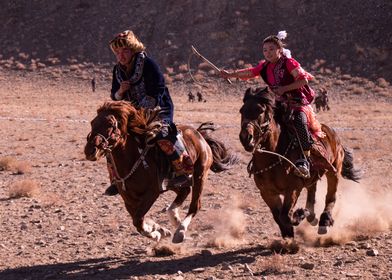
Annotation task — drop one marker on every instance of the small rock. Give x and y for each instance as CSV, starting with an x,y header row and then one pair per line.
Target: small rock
x,y
226,266
199,269
352,275
352,243
372,252
23,226
308,266
364,245
338,263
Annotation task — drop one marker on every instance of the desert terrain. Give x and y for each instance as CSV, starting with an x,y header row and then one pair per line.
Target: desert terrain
x,y
57,224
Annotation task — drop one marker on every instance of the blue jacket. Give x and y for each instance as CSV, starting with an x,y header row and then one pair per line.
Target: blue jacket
x,y
148,88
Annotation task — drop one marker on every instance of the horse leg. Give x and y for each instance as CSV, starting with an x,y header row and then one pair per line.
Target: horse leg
x,y
172,210
198,182
153,231
310,202
326,219
286,215
275,204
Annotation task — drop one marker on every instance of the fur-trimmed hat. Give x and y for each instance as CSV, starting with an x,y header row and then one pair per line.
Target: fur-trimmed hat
x,y
126,39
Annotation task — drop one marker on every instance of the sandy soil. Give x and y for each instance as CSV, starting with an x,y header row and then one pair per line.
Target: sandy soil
x,y
64,228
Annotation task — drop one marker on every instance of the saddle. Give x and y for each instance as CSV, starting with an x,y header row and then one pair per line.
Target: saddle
x,y
320,158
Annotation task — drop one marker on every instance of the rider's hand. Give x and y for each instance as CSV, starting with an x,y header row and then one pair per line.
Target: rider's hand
x,y
125,85
278,90
224,74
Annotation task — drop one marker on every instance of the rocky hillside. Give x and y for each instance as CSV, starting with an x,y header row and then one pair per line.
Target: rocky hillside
x,y
353,36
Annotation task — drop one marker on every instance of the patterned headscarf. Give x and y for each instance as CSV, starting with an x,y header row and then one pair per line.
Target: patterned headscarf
x,y
127,39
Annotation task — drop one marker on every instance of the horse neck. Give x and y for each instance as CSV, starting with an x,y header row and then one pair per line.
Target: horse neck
x,y
125,155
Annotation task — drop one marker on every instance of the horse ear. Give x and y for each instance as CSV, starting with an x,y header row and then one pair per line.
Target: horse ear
x,y
248,93
261,92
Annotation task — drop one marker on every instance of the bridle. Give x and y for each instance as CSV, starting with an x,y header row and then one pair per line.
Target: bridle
x,y
108,148
262,129
259,129
114,135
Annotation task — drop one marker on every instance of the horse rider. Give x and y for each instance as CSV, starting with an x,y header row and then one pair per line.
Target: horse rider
x,y
289,81
138,79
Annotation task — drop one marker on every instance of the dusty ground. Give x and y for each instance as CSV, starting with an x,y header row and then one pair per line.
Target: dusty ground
x,y
67,229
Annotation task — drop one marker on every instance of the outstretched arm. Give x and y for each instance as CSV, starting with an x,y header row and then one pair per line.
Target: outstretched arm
x,y
241,74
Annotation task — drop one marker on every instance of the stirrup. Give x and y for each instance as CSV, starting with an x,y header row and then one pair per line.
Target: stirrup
x,y
302,169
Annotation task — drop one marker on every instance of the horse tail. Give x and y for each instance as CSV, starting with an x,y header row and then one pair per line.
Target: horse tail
x,y
222,159
348,170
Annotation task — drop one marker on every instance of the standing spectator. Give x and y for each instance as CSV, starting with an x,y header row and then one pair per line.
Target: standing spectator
x,y
93,84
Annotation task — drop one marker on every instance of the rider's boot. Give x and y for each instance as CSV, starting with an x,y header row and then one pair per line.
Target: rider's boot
x,y
303,166
183,167
181,161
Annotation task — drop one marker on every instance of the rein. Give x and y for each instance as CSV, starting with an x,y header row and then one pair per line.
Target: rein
x,y
262,129
141,159
107,148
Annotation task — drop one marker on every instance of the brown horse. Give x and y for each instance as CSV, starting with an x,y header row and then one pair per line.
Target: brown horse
x,y
124,134
273,152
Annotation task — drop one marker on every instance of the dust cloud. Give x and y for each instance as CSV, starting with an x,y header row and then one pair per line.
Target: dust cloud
x,y
229,225
361,211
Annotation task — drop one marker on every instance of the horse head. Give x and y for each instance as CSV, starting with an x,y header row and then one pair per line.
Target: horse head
x,y
114,122
108,129
256,114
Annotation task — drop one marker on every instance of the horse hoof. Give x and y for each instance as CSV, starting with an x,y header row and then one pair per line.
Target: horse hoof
x,y
179,236
313,222
165,232
322,230
299,215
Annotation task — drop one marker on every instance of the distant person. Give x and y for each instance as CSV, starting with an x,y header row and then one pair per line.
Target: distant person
x,y
191,97
199,97
289,81
138,79
93,84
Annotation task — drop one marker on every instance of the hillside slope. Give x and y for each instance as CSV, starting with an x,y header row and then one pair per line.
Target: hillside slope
x,y
354,35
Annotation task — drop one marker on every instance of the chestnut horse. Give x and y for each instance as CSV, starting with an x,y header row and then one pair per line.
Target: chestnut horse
x,y
273,152
124,135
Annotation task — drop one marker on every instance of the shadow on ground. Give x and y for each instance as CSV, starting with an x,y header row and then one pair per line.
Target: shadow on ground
x,y
115,268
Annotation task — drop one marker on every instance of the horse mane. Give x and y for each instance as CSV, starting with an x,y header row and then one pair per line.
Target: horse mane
x,y
131,119
262,96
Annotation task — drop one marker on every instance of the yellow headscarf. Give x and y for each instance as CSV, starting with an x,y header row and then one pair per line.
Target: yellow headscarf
x,y
127,39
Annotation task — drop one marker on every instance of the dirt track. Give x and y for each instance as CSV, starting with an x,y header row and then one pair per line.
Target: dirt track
x,y
69,230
